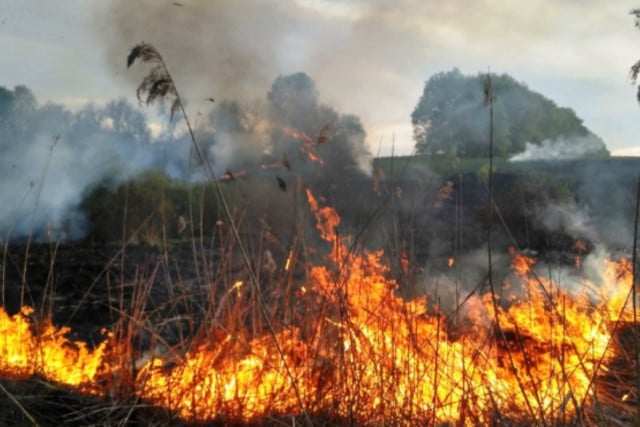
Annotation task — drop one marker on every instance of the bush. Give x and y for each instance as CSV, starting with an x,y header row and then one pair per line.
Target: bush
x,y
148,207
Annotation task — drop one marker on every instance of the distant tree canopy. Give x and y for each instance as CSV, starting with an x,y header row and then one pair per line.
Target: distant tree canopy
x,y
291,116
451,117
635,68
294,102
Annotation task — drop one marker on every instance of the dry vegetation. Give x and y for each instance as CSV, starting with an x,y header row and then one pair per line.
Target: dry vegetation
x,y
315,334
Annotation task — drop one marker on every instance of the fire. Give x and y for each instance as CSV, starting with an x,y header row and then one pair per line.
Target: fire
x,y
523,265
327,219
297,135
580,248
308,146
366,354
237,285
49,353
443,195
287,263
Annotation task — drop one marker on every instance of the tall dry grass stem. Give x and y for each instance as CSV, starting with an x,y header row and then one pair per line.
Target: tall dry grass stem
x,y
159,85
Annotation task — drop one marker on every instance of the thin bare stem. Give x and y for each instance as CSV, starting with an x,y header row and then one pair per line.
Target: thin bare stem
x,y
158,84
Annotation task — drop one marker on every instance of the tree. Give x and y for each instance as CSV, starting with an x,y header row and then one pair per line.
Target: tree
x,y
18,110
448,117
635,68
339,140
294,98
126,120
117,118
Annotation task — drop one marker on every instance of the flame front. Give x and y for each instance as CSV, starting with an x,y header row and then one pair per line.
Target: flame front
x,y
368,355
49,353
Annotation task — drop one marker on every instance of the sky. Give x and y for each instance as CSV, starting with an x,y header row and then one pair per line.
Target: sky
x,y
368,58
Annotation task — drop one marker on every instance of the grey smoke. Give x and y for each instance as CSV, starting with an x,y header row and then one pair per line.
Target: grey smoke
x,y
113,143
602,207
563,148
569,218
52,157
223,49
289,122
451,285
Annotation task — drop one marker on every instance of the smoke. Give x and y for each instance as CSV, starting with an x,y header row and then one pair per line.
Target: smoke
x,y
563,148
289,140
468,275
594,199
61,155
52,157
223,49
232,52
568,218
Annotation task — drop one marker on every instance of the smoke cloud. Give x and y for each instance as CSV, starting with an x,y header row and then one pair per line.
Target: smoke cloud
x,y
52,156
224,49
62,155
588,200
566,148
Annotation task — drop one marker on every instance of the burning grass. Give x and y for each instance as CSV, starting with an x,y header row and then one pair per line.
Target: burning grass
x,y
348,350
326,343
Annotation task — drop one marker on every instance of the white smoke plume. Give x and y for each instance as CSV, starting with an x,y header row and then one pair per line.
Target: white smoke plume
x,y
52,157
563,148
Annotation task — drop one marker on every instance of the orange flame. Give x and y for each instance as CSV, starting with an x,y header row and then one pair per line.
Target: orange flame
x,y
373,357
287,263
522,265
580,248
308,147
297,135
49,353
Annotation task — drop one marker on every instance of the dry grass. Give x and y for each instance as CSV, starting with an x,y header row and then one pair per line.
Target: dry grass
x,y
237,293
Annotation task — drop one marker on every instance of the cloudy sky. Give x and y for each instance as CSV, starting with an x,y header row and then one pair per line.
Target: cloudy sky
x,y
368,58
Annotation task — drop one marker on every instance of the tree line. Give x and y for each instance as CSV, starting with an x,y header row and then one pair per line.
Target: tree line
x,y
53,158
450,118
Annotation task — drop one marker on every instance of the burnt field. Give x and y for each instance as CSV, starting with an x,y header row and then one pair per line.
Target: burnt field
x,y
301,296
220,246
85,285
415,209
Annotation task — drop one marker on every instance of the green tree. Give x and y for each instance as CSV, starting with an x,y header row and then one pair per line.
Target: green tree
x,y
449,117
